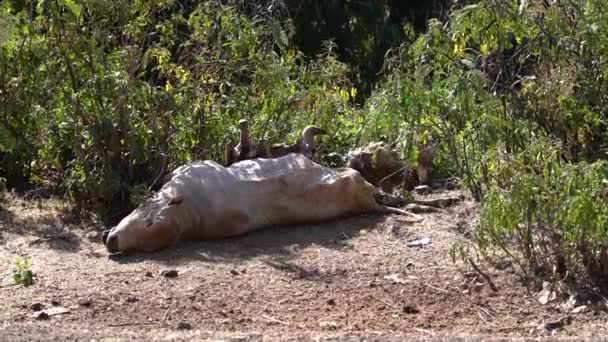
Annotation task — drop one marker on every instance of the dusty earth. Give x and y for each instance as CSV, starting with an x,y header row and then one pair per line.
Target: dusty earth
x,y
348,280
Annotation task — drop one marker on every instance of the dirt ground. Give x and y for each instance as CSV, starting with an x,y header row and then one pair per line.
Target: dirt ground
x,y
349,280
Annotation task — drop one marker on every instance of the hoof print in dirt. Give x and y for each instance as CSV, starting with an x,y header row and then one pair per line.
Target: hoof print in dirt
x,y
184,326
169,273
234,272
149,274
331,301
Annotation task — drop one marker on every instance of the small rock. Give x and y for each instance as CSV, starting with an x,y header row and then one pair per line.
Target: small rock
x,y
547,294
397,279
86,302
234,272
580,309
169,273
41,315
331,301
423,189
419,242
557,324
37,306
328,325
410,309
131,299
184,326
149,274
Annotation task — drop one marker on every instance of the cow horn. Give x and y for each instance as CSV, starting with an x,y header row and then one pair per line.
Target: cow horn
x,y
176,200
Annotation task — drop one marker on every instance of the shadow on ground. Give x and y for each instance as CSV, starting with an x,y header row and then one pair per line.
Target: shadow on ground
x,y
40,226
279,242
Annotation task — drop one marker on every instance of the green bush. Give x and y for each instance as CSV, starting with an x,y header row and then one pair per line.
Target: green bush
x,y
22,274
110,94
553,213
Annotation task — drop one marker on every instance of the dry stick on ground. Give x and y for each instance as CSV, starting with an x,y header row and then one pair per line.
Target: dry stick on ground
x,y
387,304
435,288
272,319
484,275
429,332
131,324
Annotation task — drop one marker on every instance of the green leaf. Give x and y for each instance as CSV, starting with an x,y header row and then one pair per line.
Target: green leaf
x,y
7,139
280,37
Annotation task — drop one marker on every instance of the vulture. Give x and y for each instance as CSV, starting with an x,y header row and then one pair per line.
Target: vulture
x,y
245,149
305,144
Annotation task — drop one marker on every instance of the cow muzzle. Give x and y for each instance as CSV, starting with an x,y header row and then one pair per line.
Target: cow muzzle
x,y
111,242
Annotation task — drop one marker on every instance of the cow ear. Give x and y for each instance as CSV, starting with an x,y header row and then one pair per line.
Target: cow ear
x,y
177,199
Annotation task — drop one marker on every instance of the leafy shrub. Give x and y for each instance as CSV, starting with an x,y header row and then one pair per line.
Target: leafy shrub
x,y
22,274
110,94
553,212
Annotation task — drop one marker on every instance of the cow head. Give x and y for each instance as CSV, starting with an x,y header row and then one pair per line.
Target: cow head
x,y
149,227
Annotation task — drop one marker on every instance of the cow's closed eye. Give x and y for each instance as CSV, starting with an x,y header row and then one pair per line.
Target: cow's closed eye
x,y
149,223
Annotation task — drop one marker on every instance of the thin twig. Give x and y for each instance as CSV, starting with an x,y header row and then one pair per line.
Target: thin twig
x,y
429,332
435,288
387,304
484,275
484,311
406,166
272,319
131,324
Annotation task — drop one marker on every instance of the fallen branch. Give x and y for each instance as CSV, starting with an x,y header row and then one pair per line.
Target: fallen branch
x,y
438,202
484,275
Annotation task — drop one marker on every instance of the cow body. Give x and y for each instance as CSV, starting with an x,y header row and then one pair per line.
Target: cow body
x,y
204,200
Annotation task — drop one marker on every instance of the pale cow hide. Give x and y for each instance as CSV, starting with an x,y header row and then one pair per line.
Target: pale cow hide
x,y
204,200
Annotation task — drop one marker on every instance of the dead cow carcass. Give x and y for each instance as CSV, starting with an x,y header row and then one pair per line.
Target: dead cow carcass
x,y
204,200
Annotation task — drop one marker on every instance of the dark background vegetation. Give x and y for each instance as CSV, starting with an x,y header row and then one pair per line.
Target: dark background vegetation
x,y
99,97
